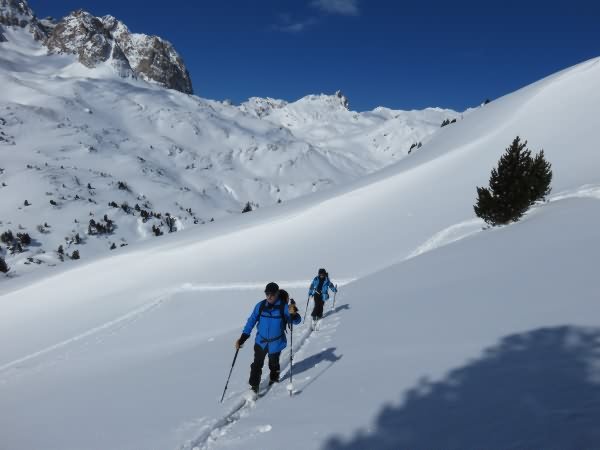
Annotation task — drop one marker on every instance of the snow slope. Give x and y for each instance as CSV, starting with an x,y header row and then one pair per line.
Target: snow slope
x,y
444,335
70,134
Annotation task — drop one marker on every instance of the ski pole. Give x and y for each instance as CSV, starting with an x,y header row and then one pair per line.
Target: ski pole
x,y
334,295
306,310
230,370
291,356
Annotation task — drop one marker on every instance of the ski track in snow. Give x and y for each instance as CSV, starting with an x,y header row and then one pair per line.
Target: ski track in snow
x,y
122,320
242,407
133,315
448,235
467,228
255,285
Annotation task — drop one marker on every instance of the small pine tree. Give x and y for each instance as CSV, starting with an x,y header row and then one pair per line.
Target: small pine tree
x,y
247,208
519,181
75,255
61,250
24,238
3,266
113,246
7,237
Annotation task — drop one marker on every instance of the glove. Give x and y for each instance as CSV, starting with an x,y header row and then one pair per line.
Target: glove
x,y
292,308
240,342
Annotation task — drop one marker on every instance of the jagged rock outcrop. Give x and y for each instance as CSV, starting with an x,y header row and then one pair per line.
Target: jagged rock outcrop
x,y
343,99
151,58
17,13
84,35
97,40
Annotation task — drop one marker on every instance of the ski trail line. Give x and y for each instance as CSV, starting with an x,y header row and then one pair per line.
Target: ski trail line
x,y
242,405
124,318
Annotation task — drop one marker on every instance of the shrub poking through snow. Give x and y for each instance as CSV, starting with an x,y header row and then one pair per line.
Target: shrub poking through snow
x,y
515,185
7,237
3,266
247,207
24,238
123,186
75,255
170,222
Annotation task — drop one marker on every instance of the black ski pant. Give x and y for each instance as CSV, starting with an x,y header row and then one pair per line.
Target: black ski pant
x,y
259,361
317,311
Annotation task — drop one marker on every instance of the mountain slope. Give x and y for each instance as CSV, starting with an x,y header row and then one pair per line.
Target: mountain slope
x,y
95,145
146,336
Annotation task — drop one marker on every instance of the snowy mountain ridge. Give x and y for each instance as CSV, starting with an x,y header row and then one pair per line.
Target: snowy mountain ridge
x,y
80,143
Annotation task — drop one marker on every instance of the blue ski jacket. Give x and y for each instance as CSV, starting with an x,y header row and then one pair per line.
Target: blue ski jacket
x,y
327,284
271,328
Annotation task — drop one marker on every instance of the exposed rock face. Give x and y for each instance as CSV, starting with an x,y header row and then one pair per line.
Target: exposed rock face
x,y
95,40
343,99
84,35
152,58
17,13
98,40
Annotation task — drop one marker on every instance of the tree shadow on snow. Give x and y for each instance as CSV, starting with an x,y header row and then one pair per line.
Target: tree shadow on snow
x,y
539,389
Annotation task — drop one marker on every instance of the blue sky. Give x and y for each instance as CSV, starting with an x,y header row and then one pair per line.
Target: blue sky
x,y
399,54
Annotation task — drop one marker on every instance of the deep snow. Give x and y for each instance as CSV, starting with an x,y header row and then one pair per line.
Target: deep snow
x,y
444,335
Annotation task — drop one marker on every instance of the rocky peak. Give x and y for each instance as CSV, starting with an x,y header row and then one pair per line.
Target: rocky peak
x,y
260,107
17,13
84,35
343,99
95,40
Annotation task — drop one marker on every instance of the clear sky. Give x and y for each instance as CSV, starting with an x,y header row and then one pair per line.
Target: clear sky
x,y
399,54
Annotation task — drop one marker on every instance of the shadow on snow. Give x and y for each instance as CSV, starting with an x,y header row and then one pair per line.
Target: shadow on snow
x,y
539,389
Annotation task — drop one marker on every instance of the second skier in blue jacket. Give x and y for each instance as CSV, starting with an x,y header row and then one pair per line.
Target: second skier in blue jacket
x,y
319,289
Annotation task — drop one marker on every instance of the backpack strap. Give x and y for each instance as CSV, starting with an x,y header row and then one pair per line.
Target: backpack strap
x,y
261,308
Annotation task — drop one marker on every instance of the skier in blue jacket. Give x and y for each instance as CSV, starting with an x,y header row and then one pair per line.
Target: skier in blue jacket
x,y
272,316
319,289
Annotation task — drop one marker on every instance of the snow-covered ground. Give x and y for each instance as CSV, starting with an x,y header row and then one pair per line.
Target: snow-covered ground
x,y
444,335
70,134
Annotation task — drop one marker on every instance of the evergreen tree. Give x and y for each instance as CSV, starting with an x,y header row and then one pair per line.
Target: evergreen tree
x,y
7,237
75,255
3,266
541,177
24,238
517,183
247,208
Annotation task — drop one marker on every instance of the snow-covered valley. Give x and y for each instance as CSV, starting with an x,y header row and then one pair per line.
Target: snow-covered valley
x,y
445,334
